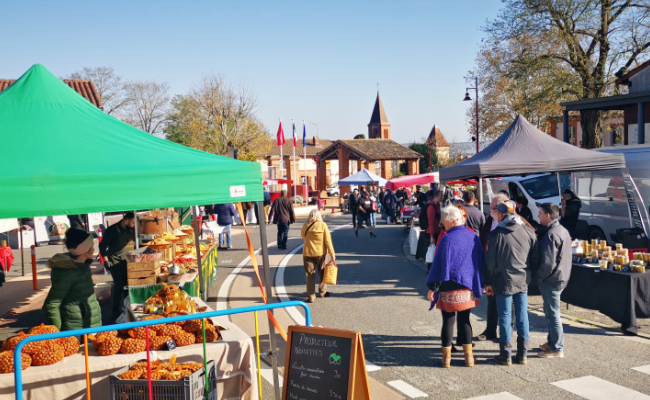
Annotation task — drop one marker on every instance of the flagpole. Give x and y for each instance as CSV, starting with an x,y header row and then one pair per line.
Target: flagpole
x,y
295,173
281,160
304,148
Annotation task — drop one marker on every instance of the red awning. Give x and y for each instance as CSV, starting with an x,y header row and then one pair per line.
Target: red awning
x,y
277,182
411,180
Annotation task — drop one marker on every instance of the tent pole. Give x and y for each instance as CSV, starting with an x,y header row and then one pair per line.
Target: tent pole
x,y
559,186
197,247
269,294
137,237
480,191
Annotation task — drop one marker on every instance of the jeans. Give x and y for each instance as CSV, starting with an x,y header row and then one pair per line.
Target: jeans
x,y
504,307
373,221
283,234
551,299
354,218
228,236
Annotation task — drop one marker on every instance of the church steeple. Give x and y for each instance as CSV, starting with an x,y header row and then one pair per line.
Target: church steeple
x,y
378,128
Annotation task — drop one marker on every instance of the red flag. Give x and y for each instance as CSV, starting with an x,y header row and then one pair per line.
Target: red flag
x,y
280,135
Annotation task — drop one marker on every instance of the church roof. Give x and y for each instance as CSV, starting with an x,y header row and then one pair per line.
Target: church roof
x,y
378,114
440,140
371,150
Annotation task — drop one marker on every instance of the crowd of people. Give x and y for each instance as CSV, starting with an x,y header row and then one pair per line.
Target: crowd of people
x,y
497,255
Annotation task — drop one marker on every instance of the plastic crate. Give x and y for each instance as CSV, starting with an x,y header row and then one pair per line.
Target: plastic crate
x,y
189,388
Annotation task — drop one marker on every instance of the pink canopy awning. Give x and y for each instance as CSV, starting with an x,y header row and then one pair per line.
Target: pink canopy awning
x,y
410,180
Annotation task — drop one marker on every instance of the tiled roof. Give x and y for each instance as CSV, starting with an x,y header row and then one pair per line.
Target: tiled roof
x,y
625,78
440,140
378,114
287,148
86,88
375,149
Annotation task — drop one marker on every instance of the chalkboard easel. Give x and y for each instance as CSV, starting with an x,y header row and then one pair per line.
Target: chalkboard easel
x,y
324,364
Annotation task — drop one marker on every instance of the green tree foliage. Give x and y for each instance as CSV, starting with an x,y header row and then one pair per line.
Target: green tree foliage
x,y
423,149
360,136
215,117
569,49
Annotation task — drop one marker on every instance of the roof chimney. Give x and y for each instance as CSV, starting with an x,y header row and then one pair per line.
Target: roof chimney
x,y
315,140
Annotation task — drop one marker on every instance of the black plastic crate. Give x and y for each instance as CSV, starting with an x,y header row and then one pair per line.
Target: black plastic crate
x,y
632,238
189,388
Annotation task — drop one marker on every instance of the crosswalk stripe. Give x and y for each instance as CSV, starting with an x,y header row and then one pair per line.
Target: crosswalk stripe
x,y
497,396
370,367
645,369
407,389
592,388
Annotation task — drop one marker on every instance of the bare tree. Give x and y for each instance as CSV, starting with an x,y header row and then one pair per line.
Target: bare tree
x,y
147,105
110,87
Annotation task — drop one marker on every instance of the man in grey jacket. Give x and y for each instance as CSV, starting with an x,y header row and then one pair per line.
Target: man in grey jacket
x,y
512,255
553,275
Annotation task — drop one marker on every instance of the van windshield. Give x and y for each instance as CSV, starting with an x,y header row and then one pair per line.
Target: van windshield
x,y
541,187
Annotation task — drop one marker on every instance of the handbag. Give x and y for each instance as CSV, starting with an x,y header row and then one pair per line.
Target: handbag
x,y
330,273
430,252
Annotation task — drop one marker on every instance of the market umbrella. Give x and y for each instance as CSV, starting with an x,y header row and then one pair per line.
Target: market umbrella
x,y
61,155
362,178
411,180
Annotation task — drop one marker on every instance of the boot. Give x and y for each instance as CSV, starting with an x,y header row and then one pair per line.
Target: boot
x,y
505,354
522,350
446,357
469,355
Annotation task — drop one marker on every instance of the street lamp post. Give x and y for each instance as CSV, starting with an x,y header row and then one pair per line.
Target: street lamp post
x,y
467,98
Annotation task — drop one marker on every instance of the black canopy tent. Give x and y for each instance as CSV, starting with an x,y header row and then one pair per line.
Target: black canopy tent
x,y
522,150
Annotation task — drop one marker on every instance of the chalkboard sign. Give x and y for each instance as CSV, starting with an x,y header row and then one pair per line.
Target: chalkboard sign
x,y
324,364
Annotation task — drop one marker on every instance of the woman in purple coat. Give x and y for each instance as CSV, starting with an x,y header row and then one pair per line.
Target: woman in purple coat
x,y
455,282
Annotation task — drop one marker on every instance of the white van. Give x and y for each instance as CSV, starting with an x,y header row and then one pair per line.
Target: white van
x,y
604,201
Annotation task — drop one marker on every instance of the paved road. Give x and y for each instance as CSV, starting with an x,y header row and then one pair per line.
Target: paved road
x,y
382,295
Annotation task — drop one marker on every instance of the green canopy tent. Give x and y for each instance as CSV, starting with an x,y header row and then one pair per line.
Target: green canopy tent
x,y
61,155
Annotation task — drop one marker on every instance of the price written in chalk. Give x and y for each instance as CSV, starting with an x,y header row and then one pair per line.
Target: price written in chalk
x,y
335,395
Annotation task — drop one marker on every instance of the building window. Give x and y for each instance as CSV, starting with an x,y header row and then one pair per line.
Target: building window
x,y
375,132
273,172
395,166
572,135
386,133
378,167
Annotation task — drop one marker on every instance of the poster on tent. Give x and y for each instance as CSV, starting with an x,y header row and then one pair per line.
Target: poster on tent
x,y
8,224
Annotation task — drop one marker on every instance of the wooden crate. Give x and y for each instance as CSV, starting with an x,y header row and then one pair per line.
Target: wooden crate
x,y
142,274
142,281
143,266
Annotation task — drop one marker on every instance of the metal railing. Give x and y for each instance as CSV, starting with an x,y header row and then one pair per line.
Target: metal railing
x,y
18,373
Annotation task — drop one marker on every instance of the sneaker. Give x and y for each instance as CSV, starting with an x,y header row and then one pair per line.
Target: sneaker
x,y
356,234
550,354
230,246
485,336
545,347
372,235
503,360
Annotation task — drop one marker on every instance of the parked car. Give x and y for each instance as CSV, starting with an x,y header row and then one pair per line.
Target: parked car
x,y
333,191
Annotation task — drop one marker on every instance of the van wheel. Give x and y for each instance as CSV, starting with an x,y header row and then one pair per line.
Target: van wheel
x,y
596,233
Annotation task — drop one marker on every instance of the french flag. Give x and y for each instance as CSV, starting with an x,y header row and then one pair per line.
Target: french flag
x,y
295,138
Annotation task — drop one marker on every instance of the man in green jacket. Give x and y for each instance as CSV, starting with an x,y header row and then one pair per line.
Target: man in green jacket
x,y
71,302
118,239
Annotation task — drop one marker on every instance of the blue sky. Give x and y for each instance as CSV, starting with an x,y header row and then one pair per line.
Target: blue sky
x,y
312,60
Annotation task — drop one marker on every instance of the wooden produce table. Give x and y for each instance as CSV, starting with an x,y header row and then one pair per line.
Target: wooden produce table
x,y
234,357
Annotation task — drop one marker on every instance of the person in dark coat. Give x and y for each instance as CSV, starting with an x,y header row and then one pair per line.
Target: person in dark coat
x,y
512,255
475,218
118,239
225,214
390,203
267,204
553,276
353,202
77,221
283,216
523,211
424,239
71,302
570,212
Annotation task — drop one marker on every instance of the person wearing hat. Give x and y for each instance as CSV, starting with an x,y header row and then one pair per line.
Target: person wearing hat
x,y
71,302
511,256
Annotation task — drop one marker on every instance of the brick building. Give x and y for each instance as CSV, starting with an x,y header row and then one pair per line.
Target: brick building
x,y
84,87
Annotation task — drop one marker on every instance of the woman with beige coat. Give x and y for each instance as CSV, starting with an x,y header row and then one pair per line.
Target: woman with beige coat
x,y
318,243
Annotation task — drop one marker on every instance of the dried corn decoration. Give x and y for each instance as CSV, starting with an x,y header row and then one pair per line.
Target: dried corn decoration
x,y
7,361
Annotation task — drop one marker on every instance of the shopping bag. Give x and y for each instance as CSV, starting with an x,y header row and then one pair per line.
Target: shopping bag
x,y
430,252
250,217
330,273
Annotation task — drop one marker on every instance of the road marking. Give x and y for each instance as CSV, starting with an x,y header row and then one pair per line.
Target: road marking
x,y
592,388
370,367
497,396
267,374
225,261
407,389
645,369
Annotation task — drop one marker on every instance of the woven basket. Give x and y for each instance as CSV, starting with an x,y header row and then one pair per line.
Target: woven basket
x,y
331,273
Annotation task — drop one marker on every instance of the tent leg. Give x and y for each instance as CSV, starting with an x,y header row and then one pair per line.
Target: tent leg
x,y
197,247
480,191
559,186
137,236
269,294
